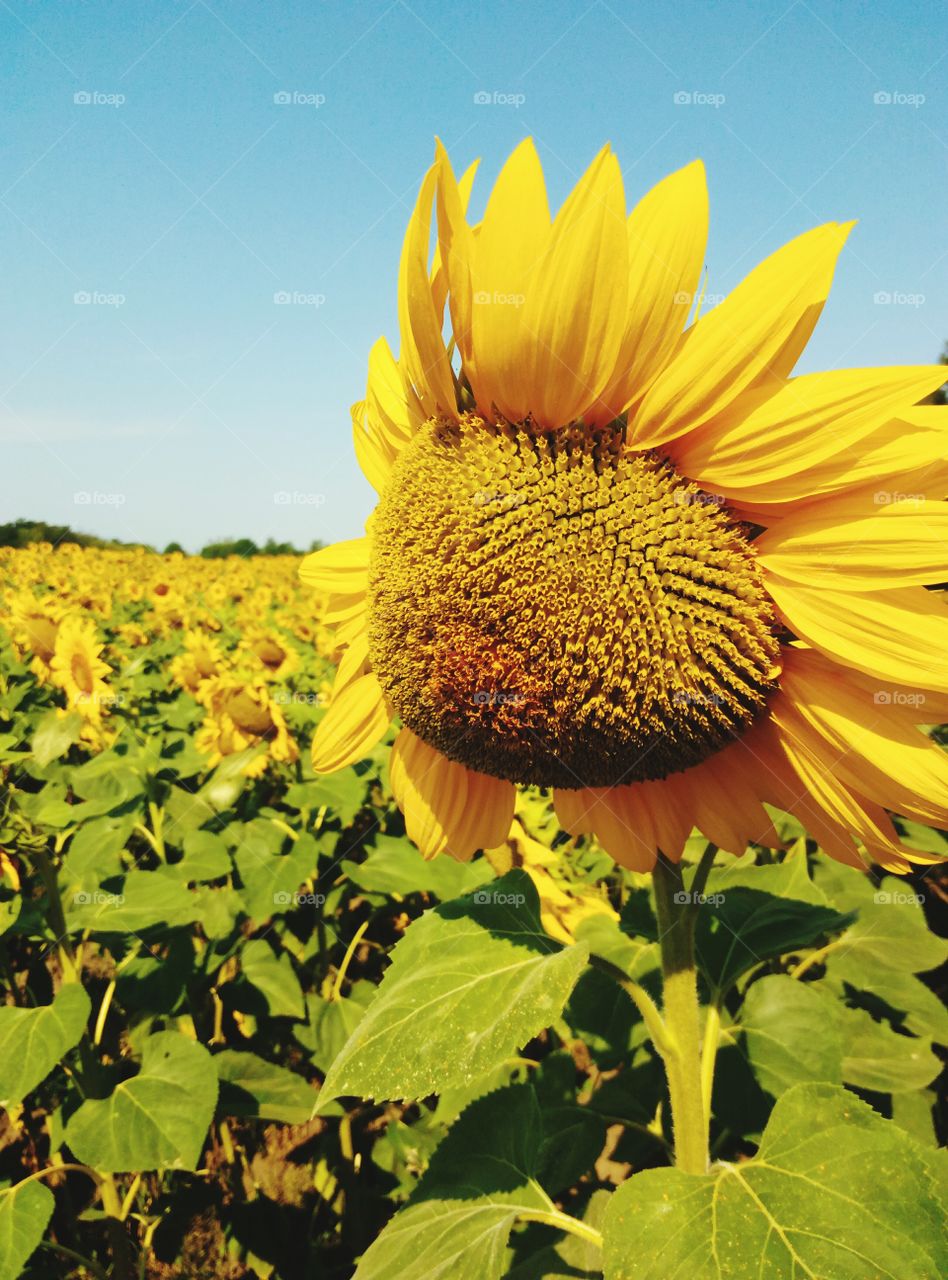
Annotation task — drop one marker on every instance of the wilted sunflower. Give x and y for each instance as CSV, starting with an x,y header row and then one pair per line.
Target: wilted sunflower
x,y
632,559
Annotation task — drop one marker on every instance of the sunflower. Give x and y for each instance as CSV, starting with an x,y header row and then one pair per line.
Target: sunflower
x,y
200,659
78,670
33,624
269,654
632,558
242,714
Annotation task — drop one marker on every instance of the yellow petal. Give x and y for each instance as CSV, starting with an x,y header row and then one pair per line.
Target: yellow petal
x,y
456,250
343,567
353,663
448,808
356,720
766,444
424,356
372,457
667,235
393,411
577,303
620,819
737,342
837,544
872,748
514,236
901,635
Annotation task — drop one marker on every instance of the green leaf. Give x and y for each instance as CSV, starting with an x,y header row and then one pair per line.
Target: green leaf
x,y
753,914
458,1221
834,1193
54,735
342,794
205,857
250,1086
891,927
274,977
157,1119
25,1211
143,900
878,1058
270,879
791,1034
469,984
332,1022
396,867
900,996
33,1041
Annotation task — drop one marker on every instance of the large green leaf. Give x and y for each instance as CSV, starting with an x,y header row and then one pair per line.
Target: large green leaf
x,y
25,1211
469,984
791,1034
33,1041
155,1120
755,913
270,880
900,996
834,1193
274,977
396,867
878,1058
54,735
458,1221
250,1086
142,900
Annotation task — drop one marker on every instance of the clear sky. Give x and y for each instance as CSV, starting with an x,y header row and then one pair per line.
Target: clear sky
x,y
180,197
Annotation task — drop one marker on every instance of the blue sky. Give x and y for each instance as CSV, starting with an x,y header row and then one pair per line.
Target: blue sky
x,y
181,402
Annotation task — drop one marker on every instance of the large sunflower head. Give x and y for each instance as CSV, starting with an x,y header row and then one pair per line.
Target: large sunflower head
x,y
620,551
78,669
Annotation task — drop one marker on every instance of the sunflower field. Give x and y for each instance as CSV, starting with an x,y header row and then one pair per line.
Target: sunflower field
x,y
250,1031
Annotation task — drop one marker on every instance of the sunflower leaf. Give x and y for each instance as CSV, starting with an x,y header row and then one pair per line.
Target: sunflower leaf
x,y
469,984
33,1041
834,1190
25,1210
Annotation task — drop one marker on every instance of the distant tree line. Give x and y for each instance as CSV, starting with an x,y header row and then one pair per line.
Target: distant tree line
x,y
20,533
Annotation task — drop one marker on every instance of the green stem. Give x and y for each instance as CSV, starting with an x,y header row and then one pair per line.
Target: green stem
x,y
642,1000
676,922
563,1222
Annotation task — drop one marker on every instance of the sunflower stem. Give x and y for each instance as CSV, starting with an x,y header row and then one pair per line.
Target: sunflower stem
x,y
676,922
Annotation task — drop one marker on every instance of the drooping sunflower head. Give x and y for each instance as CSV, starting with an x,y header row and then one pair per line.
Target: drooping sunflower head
x,y
619,550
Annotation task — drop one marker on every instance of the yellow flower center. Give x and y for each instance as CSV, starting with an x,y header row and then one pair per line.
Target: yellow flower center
x,y
552,608
249,715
